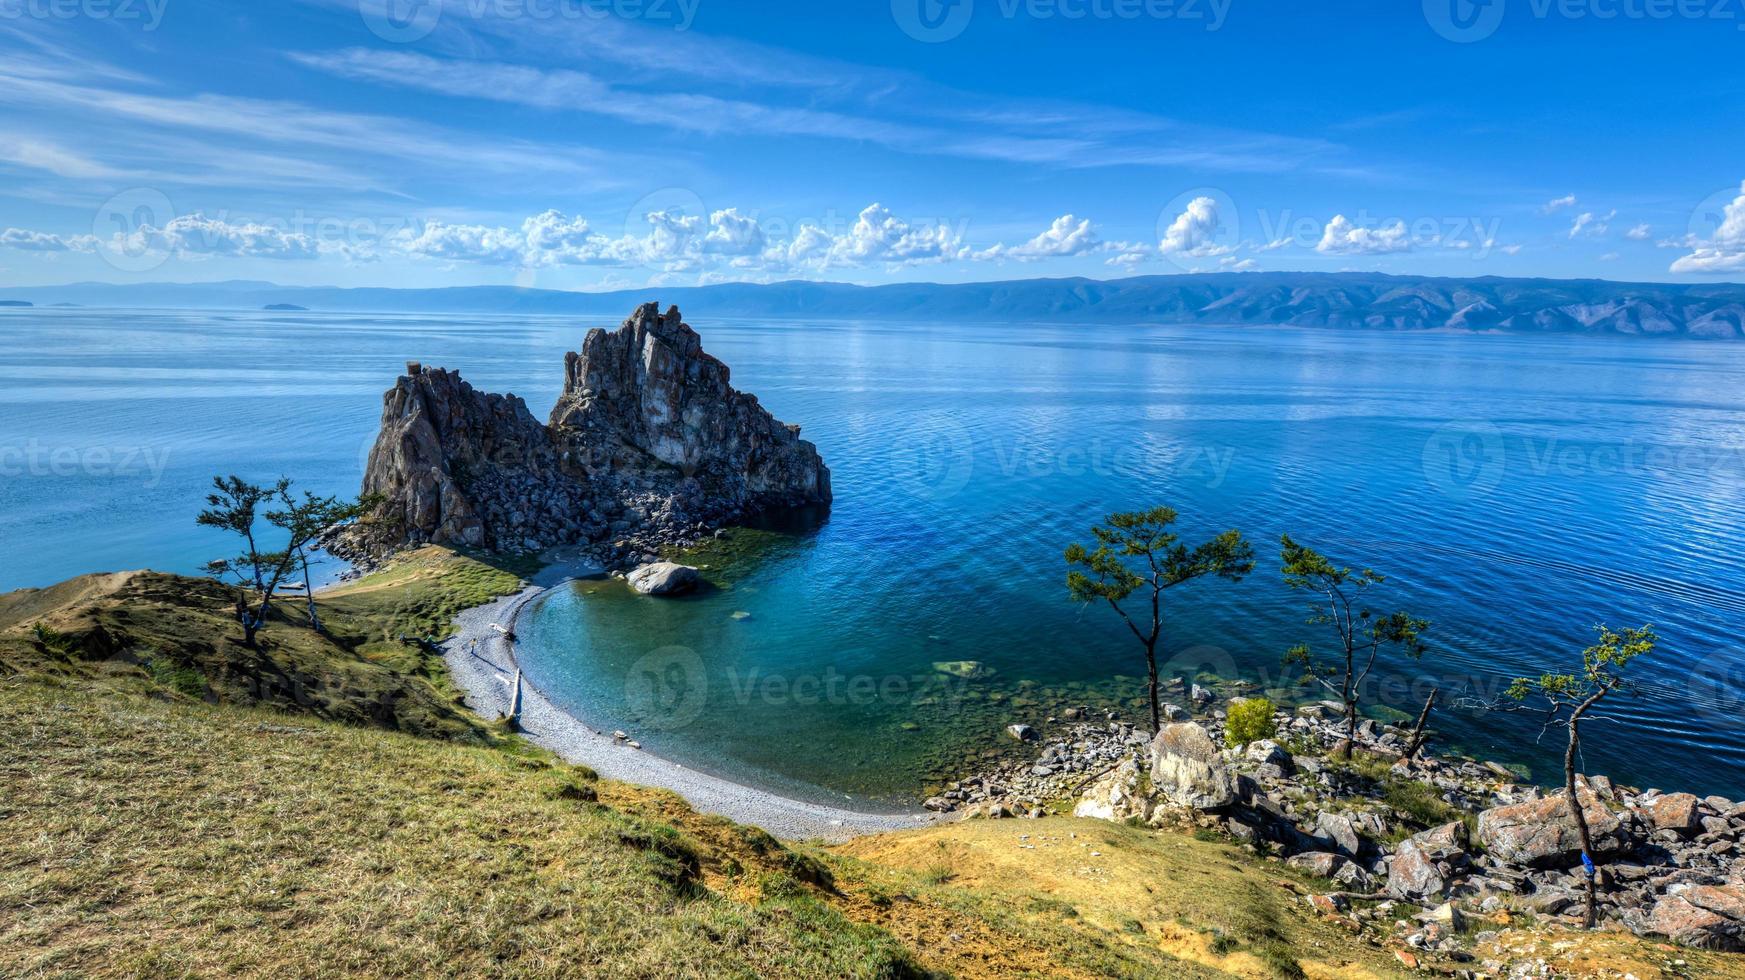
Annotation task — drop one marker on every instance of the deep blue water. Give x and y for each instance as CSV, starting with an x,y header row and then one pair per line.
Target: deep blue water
x,y
1515,490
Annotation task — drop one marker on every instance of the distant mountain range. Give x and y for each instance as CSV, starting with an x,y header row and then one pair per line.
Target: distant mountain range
x,y
1348,300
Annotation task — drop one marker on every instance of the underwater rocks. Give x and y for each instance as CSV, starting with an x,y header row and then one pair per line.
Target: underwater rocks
x,y
648,444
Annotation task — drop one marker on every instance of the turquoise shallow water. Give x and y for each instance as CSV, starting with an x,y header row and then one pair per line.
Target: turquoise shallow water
x,y
1515,489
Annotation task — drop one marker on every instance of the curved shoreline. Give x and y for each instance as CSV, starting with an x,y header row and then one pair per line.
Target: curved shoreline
x,y
481,660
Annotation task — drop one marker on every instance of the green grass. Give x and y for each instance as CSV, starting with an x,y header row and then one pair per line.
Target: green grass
x,y
173,635
146,838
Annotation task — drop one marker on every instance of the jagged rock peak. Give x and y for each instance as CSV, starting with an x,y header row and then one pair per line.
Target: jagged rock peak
x,y
648,395
648,441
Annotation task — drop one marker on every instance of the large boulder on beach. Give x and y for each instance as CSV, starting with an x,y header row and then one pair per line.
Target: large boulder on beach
x,y
1187,770
1542,833
663,578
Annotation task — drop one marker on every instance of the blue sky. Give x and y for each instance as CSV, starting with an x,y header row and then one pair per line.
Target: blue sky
x,y
586,144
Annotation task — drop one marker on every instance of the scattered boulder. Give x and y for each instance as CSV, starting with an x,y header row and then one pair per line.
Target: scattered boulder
x,y
1684,922
663,578
1445,843
1726,901
1266,752
1117,796
1323,864
1339,828
1414,875
1677,813
1187,770
1023,733
1175,712
1542,833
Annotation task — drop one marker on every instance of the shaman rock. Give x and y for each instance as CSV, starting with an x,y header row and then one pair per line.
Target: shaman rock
x,y
648,436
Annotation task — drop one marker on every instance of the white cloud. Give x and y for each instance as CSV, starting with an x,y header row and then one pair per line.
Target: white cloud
x,y
57,160
40,241
1231,263
677,242
1341,237
1640,233
466,243
1587,223
1725,250
731,233
880,236
1558,204
197,236
1192,231
1069,235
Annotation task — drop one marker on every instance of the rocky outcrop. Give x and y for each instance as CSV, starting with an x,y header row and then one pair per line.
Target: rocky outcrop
x,y
459,466
648,438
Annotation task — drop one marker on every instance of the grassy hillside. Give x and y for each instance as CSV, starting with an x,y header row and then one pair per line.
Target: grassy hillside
x,y
164,839
370,666
168,812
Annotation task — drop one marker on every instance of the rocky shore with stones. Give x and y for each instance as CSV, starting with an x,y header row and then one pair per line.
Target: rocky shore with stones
x,y
649,446
1418,853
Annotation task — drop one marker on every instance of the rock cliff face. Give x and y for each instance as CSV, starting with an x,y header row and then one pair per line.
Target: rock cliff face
x,y
649,443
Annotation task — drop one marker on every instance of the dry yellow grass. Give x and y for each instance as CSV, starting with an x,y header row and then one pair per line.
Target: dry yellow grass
x,y
1111,900
145,838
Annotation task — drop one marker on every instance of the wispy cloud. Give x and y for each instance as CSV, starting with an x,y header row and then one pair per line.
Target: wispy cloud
x,y
1041,133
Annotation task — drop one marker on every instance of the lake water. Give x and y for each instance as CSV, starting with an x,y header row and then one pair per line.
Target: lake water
x,y
1515,490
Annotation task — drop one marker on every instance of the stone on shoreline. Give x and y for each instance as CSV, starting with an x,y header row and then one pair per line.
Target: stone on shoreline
x,y
1116,797
1187,770
1542,833
663,578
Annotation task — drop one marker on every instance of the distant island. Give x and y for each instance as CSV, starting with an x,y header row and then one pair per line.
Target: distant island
x,y
1348,300
15,302
285,308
